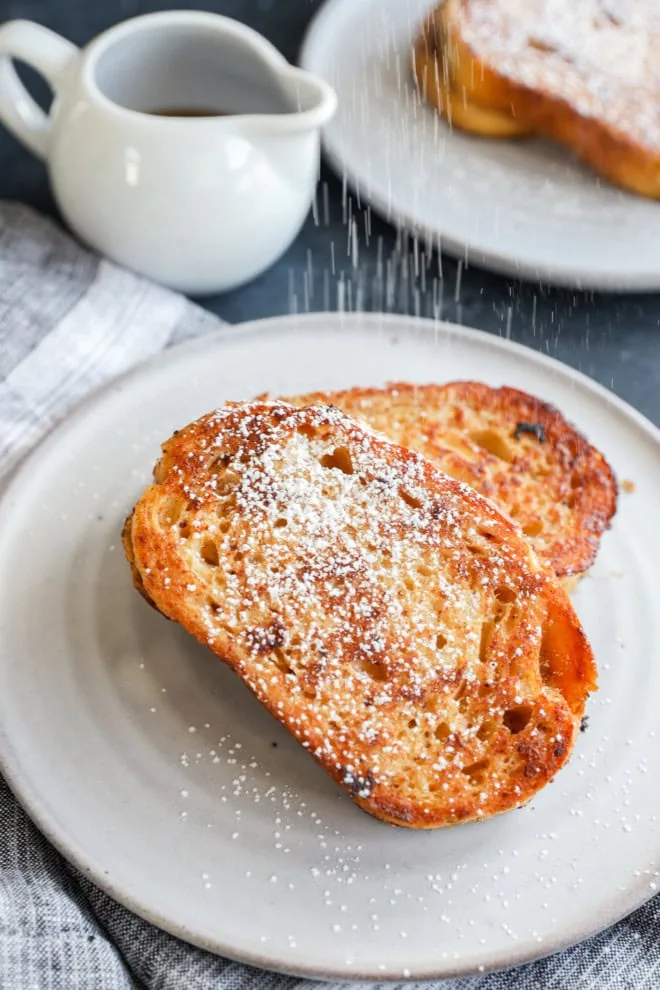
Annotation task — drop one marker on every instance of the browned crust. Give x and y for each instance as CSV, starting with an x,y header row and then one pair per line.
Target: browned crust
x,y
576,496
612,153
437,88
162,574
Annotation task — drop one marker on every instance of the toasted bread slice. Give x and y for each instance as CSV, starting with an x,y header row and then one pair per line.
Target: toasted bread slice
x,y
509,446
437,88
389,616
585,74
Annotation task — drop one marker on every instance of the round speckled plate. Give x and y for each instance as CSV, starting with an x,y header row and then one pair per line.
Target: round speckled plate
x,y
522,207
152,768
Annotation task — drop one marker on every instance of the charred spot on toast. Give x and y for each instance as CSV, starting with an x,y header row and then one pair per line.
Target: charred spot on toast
x,y
357,785
535,429
265,639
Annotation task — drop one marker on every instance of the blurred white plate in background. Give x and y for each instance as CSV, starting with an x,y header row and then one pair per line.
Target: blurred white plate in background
x,y
523,208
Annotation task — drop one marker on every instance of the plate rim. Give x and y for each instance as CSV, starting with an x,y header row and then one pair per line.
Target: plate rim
x,y
44,816
501,262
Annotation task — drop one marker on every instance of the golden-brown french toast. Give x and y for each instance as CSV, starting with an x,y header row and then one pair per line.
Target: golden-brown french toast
x,y
434,82
586,74
389,616
509,446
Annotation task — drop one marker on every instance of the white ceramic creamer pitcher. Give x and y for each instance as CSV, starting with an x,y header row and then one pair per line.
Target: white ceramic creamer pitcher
x,y
181,144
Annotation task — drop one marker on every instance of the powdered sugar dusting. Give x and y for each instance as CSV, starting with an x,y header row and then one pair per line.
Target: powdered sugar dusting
x,y
388,615
601,56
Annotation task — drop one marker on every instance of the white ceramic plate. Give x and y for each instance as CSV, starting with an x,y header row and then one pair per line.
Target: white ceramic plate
x,y
520,207
153,769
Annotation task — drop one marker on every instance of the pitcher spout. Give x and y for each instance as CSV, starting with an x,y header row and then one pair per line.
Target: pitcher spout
x,y
313,102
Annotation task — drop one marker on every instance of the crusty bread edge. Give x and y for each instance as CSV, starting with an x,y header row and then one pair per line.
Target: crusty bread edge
x,y
613,154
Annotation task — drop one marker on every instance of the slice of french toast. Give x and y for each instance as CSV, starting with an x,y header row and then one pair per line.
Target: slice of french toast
x,y
585,74
389,616
435,83
509,446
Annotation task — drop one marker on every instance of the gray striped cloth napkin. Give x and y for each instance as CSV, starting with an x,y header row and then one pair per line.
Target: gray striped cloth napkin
x,y
69,322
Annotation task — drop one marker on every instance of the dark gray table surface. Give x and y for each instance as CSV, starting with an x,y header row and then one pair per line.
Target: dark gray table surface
x,y
615,339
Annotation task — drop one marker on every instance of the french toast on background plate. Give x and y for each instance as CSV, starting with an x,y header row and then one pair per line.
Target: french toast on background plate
x,y
509,446
586,74
395,621
436,84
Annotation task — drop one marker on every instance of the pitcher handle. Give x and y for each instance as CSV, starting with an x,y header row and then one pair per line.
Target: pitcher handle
x,y
50,55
